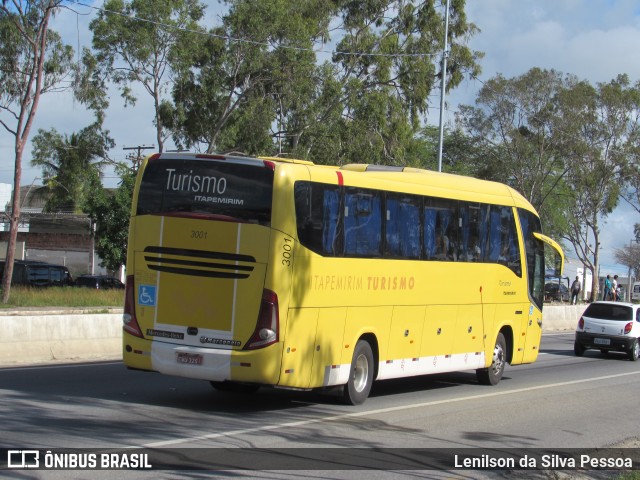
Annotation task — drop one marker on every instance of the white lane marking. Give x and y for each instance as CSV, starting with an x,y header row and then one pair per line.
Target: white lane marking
x,y
379,411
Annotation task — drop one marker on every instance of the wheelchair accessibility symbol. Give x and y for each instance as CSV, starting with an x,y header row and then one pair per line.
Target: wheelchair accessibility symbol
x,y
147,295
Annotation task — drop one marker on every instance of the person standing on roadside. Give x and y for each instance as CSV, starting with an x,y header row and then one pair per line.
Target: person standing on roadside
x,y
576,286
606,295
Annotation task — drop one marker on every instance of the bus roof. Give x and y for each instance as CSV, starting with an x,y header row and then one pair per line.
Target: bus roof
x,y
445,184
396,178
416,181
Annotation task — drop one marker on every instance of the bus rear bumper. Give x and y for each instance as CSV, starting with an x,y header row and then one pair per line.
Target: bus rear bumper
x,y
191,362
214,364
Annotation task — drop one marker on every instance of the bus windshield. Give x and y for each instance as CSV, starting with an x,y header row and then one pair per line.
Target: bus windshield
x,y
237,191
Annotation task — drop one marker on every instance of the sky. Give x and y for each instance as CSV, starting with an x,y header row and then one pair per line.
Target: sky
x,y
595,40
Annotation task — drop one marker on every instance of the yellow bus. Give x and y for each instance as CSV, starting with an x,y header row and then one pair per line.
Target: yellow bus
x,y
263,271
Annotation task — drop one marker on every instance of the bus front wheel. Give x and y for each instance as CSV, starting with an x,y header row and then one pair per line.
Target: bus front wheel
x,y
358,387
493,374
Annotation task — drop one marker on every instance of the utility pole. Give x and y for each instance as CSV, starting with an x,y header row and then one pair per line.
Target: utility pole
x,y
445,54
136,161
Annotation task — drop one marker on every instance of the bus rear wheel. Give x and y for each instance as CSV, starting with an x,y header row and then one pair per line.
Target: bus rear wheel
x,y
493,374
358,387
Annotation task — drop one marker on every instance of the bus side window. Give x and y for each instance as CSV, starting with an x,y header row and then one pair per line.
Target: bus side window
x,y
317,216
362,222
330,221
471,232
402,232
441,229
503,239
429,230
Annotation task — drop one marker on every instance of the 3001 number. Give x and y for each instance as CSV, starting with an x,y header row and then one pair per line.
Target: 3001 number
x,y
198,234
287,249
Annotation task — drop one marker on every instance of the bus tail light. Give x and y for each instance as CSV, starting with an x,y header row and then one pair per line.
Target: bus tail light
x,y
129,321
581,324
628,327
266,331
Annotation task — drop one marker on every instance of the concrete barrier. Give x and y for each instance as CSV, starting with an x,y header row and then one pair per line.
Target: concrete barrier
x,y
33,337
561,317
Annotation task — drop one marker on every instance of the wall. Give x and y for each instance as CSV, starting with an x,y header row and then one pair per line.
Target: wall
x,y
30,337
561,317
41,337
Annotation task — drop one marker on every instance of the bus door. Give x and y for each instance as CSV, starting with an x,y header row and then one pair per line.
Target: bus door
x,y
532,332
535,245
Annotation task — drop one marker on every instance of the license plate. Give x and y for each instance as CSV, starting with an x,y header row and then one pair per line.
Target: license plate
x,y
602,341
189,358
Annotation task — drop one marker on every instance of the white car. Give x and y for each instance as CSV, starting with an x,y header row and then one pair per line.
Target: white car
x,y
609,326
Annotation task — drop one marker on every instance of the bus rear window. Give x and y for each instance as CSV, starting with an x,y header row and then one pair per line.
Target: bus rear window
x,y
222,190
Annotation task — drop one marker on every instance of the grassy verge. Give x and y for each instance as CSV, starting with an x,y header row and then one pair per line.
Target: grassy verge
x,y
629,476
63,297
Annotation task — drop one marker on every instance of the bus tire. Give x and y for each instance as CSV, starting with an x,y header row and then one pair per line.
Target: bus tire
x,y
493,374
358,387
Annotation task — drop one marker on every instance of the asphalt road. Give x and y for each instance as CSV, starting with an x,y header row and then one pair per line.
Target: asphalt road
x,y
560,401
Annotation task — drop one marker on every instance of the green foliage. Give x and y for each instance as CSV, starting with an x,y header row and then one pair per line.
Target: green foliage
x,y
34,61
365,104
71,166
136,42
515,120
566,145
461,153
20,52
110,212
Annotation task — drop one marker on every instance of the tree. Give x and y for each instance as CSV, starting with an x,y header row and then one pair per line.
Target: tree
x,y
136,43
516,121
629,256
600,131
564,144
34,61
386,64
259,86
71,165
237,77
462,153
110,212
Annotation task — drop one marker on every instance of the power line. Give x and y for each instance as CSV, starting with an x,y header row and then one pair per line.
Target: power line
x,y
248,41
136,159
